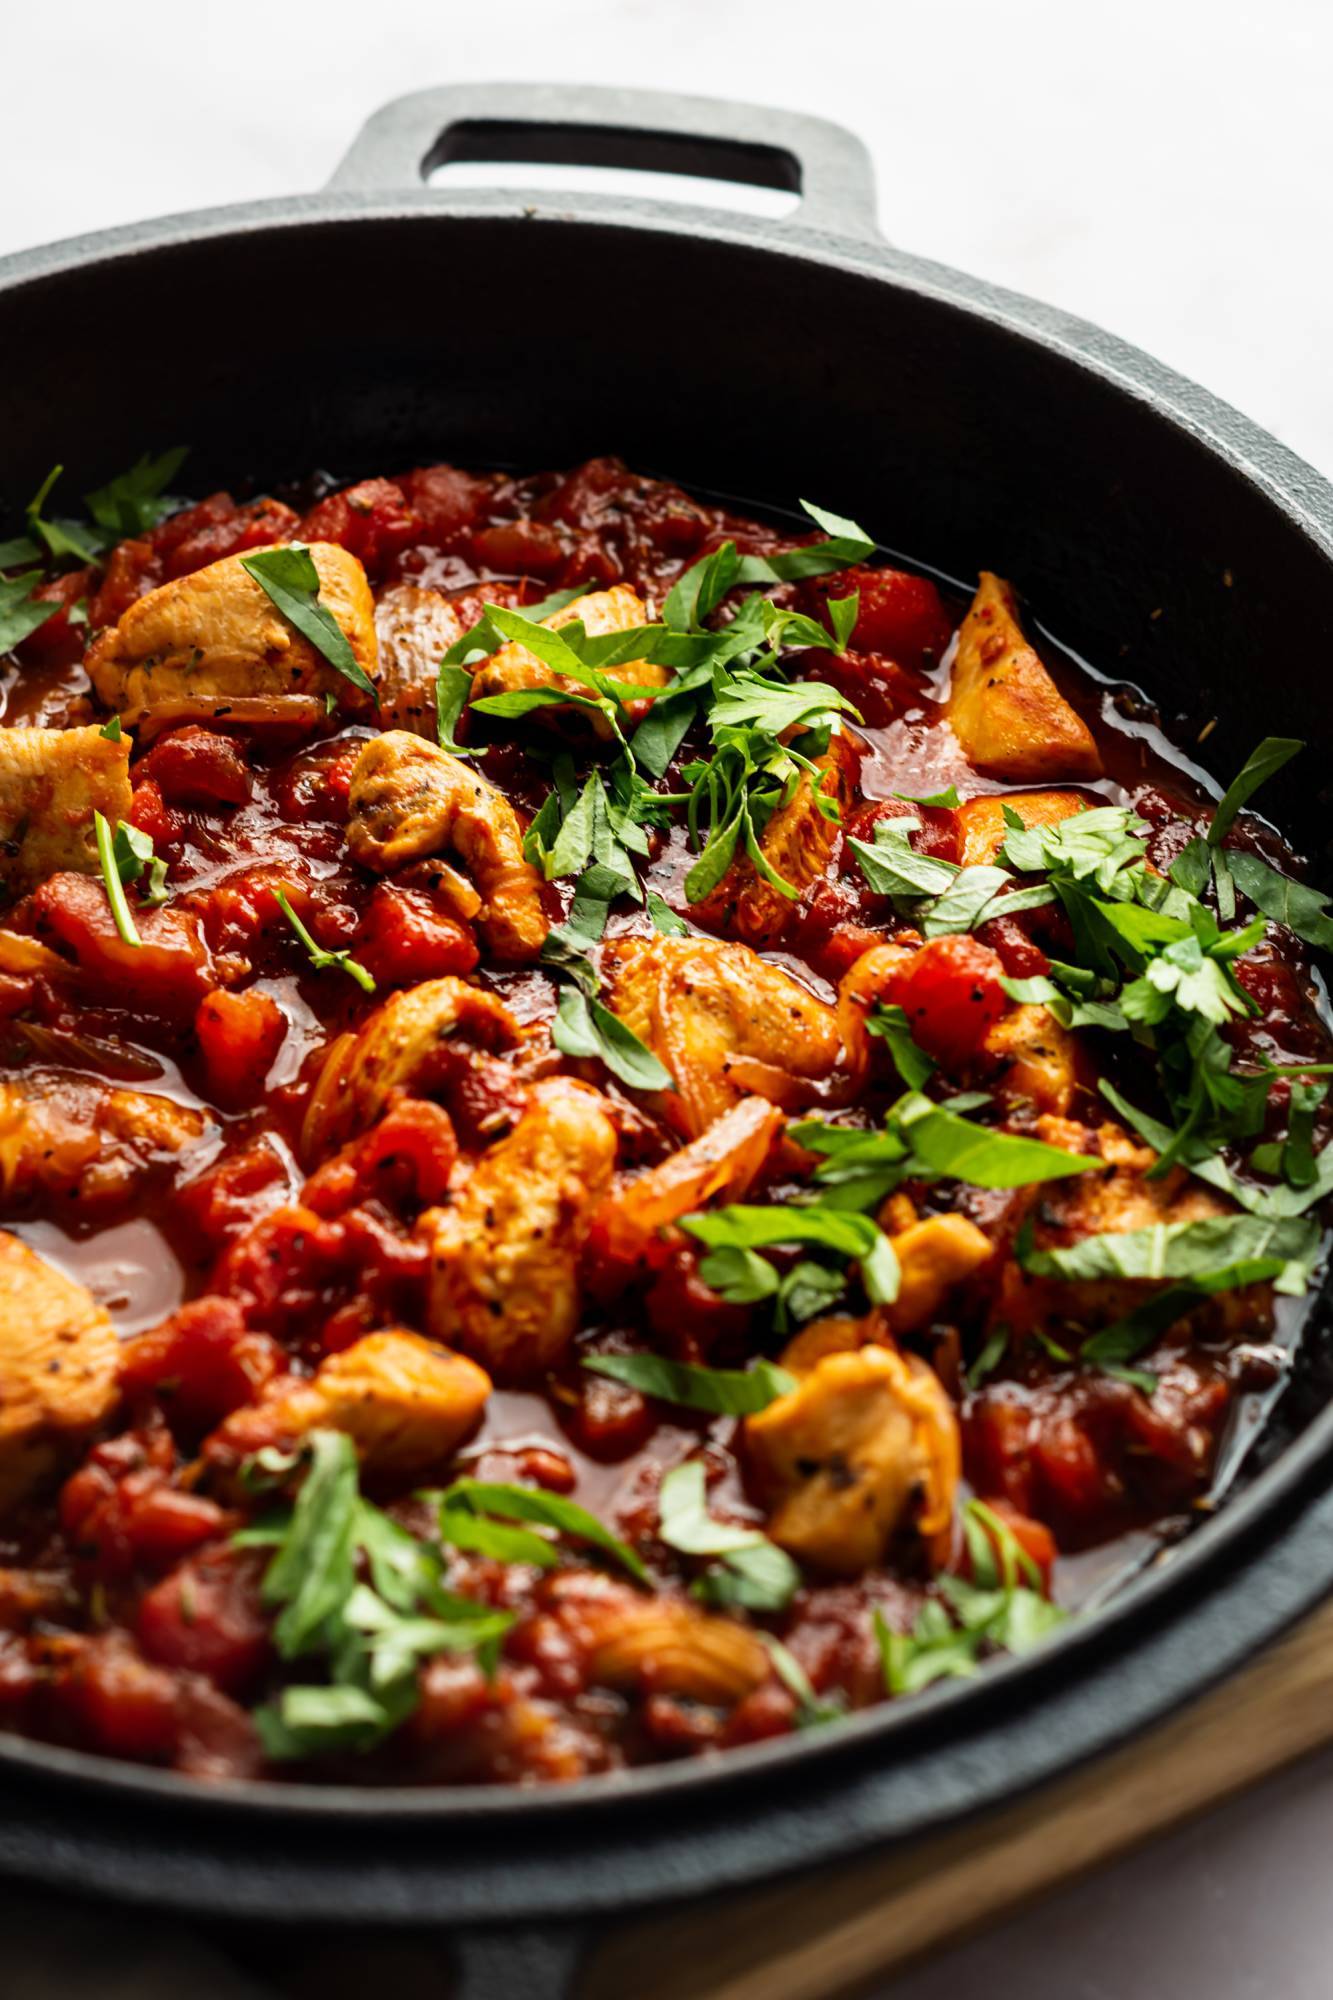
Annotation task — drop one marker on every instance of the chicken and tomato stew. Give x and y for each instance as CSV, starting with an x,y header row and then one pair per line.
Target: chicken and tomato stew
x,y
623,1129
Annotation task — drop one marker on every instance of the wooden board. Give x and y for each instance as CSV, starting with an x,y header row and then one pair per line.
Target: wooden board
x,y
818,1939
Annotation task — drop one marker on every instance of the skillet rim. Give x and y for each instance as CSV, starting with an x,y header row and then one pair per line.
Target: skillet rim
x,y
1285,482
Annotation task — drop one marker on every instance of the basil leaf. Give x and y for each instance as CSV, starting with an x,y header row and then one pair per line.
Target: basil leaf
x,y
665,920
762,1576
957,1149
989,1357
1131,1334
133,502
312,1573
584,1027
893,867
699,590
288,578
890,1023
947,800
1302,909
320,959
742,1226
663,730
452,688
59,538
741,1277
724,1392
1259,767
1189,1250
1191,868
21,612
460,1528
812,1710
21,550
548,1510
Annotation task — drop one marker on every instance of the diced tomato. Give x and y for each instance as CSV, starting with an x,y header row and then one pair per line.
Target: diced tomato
x,y
899,614
124,1706
197,767
201,1363
226,1199
446,502
58,643
1021,955
523,548
408,1157
206,1617
405,938
132,569
167,972
950,991
239,1036
152,815
1033,1537
372,520
221,530
688,1313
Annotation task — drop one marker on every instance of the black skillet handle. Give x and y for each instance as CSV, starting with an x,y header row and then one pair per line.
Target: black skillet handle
x,y
589,126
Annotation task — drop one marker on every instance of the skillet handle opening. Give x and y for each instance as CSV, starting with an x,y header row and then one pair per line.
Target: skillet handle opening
x,y
404,142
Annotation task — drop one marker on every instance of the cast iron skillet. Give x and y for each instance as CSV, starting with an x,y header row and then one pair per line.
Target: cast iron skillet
x,y
384,322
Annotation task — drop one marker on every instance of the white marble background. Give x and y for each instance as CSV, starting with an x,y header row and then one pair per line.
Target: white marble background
x,y
1162,166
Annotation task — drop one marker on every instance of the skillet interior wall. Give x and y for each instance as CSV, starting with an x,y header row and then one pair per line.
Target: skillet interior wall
x,y
361,344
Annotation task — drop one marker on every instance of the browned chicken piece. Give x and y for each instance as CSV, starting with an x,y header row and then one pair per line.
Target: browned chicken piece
x,y
51,783
796,844
981,824
1119,1199
1028,1058
214,645
399,1048
405,1403
415,629
724,1162
1007,713
934,1255
411,799
663,1645
505,1253
63,1135
866,1443
601,612
723,1021
58,1354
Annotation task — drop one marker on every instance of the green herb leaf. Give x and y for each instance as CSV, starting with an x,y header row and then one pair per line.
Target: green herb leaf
x,y
452,688
742,1226
133,502
1185,1250
893,867
947,800
21,612
321,959
761,1576
288,577
1302,909
890,1023
487,1499
665,920
989,1357
812,1711
1259,767
111,876
956,1148
726,1392
584,1027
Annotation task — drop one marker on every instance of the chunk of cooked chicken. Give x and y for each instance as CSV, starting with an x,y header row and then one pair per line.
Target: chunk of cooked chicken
x,y
58,1354
981,825
934,1255
399,1049
405,1403
1007,713
866,1442
666,1645
725,1160
64,1136
214,644
51,783
796,844
414,629
1030,1059
505,1253
601,612
723,1021
410,799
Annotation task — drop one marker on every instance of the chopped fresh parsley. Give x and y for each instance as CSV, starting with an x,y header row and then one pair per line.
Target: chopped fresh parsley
x,y
321,959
